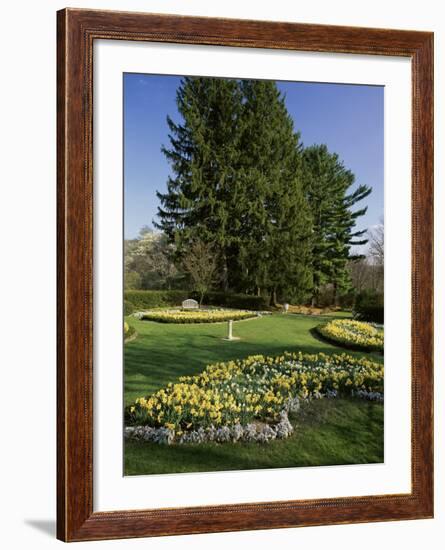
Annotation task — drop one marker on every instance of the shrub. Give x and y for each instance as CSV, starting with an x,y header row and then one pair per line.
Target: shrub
x,y
352,334
346,300
254,389
369,306
197,316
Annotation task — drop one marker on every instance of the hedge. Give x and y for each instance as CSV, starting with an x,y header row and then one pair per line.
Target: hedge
x,y
369,306
146,299
128,308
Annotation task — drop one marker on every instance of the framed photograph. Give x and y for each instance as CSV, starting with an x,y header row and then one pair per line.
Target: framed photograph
x,y
245,259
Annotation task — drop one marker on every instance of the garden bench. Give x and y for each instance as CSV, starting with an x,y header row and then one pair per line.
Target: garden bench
x,y
190,304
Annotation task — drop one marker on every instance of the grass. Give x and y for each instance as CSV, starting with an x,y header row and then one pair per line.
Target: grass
x,y
161,353
341,431
328,432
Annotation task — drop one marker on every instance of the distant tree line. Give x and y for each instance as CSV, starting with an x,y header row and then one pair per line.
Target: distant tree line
x,y
269,216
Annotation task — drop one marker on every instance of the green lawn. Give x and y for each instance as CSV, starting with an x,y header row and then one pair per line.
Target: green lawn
x,y
327,432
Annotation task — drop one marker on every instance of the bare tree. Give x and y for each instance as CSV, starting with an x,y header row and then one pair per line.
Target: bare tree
x,y
377,256
366,274
200,262
376,243
359,270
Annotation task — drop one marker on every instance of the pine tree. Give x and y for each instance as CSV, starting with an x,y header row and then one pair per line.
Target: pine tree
x,y
345,237
327,182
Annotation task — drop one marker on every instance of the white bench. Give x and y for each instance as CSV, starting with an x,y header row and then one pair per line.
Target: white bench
x,y
190,304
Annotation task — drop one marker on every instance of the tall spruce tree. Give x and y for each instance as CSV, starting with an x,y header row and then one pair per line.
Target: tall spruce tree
x,y
236,183
203,155
327,183
274,252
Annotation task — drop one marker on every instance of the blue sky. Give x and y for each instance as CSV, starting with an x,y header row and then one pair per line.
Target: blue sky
x,y
347,118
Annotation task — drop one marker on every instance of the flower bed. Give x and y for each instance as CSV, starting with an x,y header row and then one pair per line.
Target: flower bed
x,y
129,332
248,399
196,316
306,310
353,334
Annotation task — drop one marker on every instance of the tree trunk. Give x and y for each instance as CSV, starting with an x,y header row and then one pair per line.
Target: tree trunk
x,y
225,273
273,297
314,299
335,295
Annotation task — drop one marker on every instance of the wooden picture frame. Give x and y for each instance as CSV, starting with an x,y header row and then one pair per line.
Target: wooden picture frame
x,y
77,31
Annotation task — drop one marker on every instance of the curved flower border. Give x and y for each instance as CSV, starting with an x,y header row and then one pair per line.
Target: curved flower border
x,y
352,334
129,332
249,433
249,400
201,316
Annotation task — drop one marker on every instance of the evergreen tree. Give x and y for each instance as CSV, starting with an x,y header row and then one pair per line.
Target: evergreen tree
x,y
275,223
203,155
237,184
327,182
278,216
